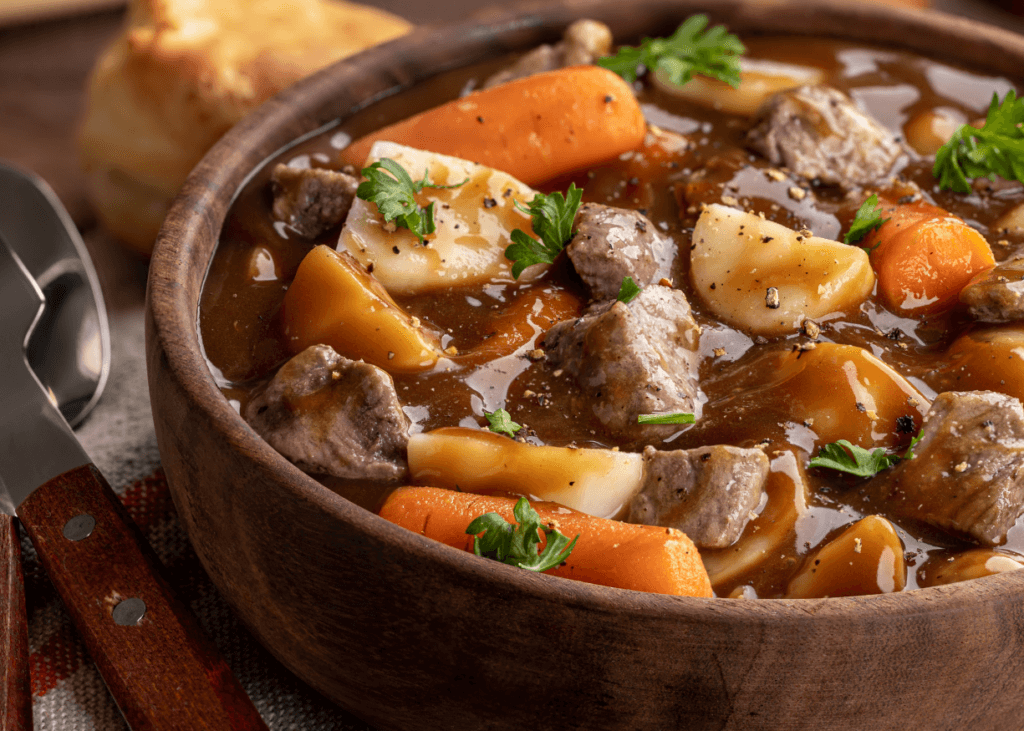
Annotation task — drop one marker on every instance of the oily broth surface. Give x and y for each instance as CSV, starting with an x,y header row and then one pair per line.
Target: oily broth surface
x,y
256,260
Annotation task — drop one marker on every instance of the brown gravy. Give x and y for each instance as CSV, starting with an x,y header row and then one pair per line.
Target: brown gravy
x,y
256,260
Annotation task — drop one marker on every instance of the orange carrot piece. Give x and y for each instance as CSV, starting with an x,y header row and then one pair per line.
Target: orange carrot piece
x,y
924,257
608,552
534,129
532,313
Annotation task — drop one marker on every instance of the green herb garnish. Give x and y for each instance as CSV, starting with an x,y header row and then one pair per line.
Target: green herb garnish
x,y
517,545
846,457
909,454
868,219
995,149
500,422
552,215
628,290
688,51
396,196
676,418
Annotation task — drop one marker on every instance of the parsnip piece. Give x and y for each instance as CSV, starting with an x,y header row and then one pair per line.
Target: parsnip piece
x,y
971,564
770,535
759,79
866,558
767,279
845,392
333,301
1011,222
986,359
598,482
474,224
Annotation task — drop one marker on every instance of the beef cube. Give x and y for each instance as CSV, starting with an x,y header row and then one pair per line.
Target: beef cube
x,y
967,475
818,132
334,416
613,243
582,43
709,493
631,359
312,200
998,294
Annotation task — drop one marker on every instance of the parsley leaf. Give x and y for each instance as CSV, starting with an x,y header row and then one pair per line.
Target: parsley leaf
x,y
500,422
676,418
553,216
517,545
628,290
688,51
867,219
395,196
909,454
995,149
857,461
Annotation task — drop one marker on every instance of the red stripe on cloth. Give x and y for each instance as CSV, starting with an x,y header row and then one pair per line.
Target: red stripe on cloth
x,y
56,659
148,500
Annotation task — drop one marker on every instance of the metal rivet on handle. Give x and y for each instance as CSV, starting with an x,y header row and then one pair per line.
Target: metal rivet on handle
x,y
80,527
129,612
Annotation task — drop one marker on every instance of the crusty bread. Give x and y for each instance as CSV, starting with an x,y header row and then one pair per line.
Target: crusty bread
x,y
182,73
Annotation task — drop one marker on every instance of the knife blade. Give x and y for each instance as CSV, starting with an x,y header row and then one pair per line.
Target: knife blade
x,y
160,668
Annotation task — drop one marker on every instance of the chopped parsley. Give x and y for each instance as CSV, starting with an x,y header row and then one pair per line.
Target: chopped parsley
x,y
518,545
690,50
846,457
553,215
676,418
868,219
500,422
395,196
628,290
995,149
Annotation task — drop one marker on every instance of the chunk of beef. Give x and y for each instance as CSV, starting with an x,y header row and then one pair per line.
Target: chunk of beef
x,y
334,416
968,472
818,132
312,200
631,359
582,43
708,493
612,243
998,294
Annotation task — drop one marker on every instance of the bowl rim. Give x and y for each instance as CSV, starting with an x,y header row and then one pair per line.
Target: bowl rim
x,y
189,235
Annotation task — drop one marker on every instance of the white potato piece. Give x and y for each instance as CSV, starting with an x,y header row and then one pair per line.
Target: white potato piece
x,y
866,558
1011,222
598,482
759,79
474,225
766,279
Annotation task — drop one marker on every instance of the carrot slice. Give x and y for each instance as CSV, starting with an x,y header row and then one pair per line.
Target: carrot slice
x,y
610,553
924,257
534,129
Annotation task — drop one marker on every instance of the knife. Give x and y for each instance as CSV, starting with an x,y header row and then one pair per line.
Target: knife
x,y
164,674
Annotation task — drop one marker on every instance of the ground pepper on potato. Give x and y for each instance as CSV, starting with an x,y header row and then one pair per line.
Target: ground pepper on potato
x,y
772,327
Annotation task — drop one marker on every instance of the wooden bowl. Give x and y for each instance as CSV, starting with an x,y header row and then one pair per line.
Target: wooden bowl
x,y
412,634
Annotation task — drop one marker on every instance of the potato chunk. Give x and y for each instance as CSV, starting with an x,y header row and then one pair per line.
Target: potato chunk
x,y
986,359
333,301
598,482
767,279
866,558
759,80
971,564
844,392
474,224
